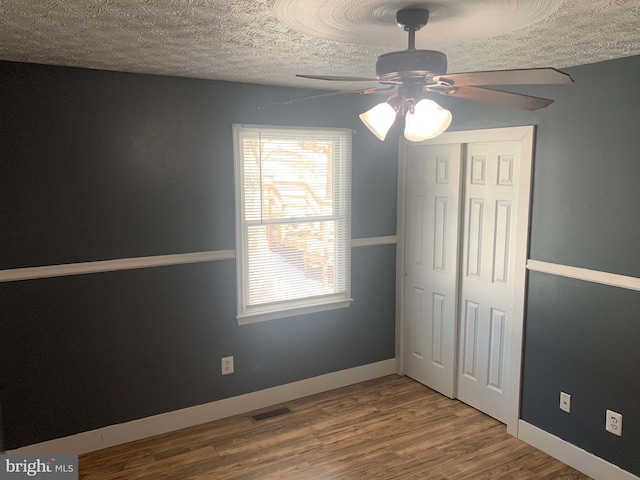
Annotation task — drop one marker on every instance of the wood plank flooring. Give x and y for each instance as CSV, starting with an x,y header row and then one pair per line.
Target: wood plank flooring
x,y
387,428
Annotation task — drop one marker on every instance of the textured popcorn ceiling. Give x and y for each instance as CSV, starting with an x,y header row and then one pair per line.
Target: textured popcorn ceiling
x,y
269,41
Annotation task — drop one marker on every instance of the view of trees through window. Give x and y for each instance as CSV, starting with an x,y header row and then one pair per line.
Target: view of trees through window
x,y
290,214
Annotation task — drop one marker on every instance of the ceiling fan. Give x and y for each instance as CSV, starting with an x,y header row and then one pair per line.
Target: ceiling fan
x,y
419,73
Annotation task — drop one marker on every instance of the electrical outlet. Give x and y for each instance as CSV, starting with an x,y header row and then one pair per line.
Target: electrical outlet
x,y
614,423
227,365
565,402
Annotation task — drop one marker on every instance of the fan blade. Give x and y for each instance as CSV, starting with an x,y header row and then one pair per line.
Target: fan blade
x,y
498,97
334,78
526,76
362,91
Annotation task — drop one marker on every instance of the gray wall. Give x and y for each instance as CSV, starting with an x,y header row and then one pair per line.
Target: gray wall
x,y
1,432
102,165
582,338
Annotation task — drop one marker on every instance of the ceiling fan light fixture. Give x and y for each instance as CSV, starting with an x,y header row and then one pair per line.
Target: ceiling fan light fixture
x,y
415,72
427,120
379,119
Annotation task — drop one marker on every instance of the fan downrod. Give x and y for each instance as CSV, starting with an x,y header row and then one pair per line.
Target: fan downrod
x,y
411,65
411,20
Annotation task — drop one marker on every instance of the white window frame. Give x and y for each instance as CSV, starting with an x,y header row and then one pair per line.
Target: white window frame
x,y
246,315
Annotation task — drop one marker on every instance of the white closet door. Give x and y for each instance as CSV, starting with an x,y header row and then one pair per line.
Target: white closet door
x,y
487,270
431,259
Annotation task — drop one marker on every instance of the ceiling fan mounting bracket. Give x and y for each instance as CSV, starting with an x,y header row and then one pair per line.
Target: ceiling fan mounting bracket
x,y
412,19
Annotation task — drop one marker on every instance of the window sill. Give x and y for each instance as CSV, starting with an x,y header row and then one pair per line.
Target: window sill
x,y
292,312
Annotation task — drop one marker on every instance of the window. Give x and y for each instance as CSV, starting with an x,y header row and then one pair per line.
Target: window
x,y
293,220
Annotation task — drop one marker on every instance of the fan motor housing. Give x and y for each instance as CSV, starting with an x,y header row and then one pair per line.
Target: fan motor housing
x,y
396,66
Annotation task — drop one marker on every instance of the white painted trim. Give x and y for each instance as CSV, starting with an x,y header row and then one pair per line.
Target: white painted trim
x,y
113,265
319,130
187,417
401,202
373,241
292,312
46,271
523,215
594,276
506,134
575,457
241,268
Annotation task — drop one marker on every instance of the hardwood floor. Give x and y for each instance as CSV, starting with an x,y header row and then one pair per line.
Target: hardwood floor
x,y
387,428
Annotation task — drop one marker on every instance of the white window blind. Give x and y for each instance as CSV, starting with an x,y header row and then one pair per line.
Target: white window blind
x,y
293,220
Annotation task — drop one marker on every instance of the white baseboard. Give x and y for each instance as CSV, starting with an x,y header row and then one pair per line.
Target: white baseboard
x,y
166,422
575,457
